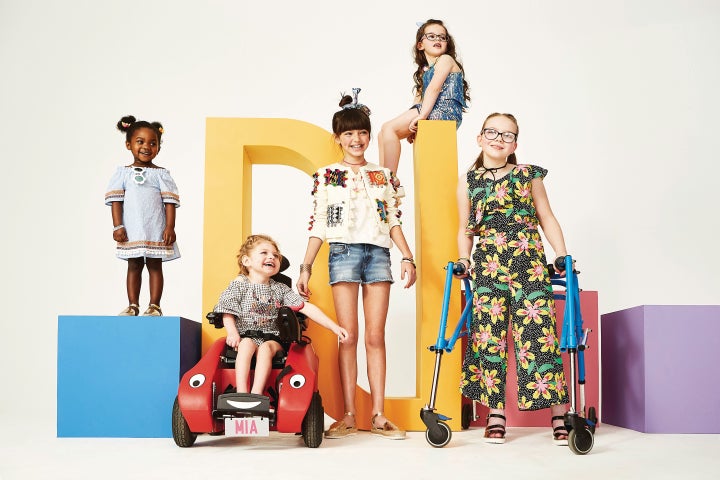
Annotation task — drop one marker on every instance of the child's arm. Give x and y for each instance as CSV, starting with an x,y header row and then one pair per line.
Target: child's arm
x,y
233,337
313,247
119,235
548,222
318,316
407,269
169,233
464,240
443,66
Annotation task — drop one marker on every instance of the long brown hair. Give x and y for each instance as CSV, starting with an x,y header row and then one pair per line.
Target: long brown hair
x,y
422,63
512,159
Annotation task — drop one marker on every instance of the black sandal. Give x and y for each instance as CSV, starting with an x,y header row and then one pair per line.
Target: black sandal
x,y
494,429
559,432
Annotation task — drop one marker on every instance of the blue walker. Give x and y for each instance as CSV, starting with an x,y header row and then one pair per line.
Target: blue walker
x,y
573,341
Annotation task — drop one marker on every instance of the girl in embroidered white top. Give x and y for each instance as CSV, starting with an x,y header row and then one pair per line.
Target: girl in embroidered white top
x,y
355,211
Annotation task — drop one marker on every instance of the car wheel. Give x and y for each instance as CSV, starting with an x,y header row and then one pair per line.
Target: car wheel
x,y
314,422
181,431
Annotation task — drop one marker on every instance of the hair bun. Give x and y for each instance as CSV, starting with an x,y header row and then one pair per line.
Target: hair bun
x,y
346,100
125,122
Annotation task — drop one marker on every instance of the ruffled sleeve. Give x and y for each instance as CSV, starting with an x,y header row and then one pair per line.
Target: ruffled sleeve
x,y
115,191
537,172
168,189
230,300
318,219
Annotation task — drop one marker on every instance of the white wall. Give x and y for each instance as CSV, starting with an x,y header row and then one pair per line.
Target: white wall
x,y
617,99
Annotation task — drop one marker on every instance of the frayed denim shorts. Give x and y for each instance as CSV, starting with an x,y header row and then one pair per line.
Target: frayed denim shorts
x,y
359,263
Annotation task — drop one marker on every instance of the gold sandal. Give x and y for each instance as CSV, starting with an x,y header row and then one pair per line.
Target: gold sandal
x,y
153,311
132,310
387,430
340,429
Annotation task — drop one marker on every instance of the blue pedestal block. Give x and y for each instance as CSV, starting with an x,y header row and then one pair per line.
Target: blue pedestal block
x,y
118,376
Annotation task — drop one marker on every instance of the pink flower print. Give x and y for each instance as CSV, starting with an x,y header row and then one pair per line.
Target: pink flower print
x,y
524,355
548,340
491,267
522,190
481,338
500,241
491,381
500,346
502,193
541,385
559,386
497,309
476,374
521,245
517,333
524,403
511,282
533,311
537,271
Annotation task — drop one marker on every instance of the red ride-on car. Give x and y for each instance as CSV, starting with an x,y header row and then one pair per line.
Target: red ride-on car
x,y
208,403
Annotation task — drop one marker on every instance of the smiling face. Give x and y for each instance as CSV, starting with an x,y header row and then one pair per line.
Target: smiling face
x,y
144,145
262,262
354,143
497,150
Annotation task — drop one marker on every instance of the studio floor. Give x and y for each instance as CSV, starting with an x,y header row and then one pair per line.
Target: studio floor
x,y
29,449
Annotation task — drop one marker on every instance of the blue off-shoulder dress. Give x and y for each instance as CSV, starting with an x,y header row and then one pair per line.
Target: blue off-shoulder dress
x,y
144,197
451,101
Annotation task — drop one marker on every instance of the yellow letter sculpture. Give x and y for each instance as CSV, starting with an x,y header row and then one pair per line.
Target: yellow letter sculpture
x,y
233,145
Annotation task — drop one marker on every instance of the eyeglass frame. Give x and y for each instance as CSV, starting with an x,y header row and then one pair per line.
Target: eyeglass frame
x,y
436,36
499,134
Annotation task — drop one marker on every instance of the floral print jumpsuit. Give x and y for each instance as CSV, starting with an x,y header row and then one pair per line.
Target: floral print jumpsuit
x,y
511,287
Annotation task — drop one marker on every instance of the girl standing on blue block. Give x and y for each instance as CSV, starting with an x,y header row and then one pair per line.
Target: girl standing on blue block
x,y
441,92
355,210
503,204
143,198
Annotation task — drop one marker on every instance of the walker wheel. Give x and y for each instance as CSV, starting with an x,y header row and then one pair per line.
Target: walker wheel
x,y
439,438
580,440
466,416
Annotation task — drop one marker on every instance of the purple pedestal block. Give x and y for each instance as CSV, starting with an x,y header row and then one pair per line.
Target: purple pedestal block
x,y
659,372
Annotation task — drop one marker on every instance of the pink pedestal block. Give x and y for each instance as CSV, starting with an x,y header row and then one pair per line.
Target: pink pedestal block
x,y
541,418
660,368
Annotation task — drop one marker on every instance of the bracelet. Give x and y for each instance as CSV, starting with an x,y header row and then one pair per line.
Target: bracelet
x,y
409,260
118,227
464,258
306,267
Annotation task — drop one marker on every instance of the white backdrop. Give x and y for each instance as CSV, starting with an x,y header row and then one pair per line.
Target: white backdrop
x,y
618,99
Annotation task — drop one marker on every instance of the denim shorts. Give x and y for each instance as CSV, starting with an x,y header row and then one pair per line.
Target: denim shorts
x,y
359,263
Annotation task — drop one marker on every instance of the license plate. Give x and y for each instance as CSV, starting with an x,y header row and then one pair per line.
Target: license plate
x,y
247,427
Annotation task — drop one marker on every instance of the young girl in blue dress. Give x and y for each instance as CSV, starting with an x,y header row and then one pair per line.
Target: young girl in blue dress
x,y
441,92
143,198
503,204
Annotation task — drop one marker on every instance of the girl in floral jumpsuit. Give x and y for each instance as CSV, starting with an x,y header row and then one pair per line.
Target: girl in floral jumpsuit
x,y
502,204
